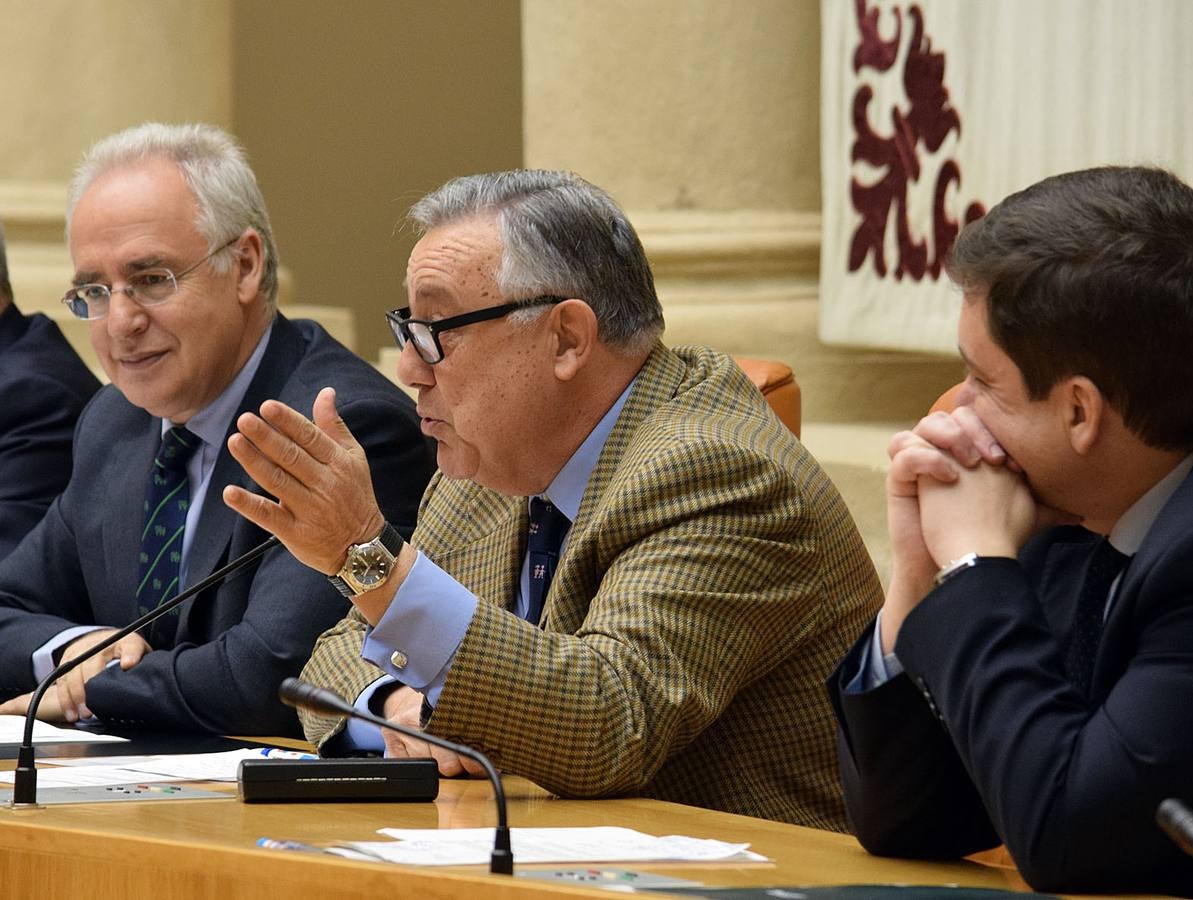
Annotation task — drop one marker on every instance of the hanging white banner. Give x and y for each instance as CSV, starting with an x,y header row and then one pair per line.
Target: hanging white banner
x,y
932,111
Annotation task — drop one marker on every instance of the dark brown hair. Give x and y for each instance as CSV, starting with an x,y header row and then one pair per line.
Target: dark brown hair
x,y
1091,273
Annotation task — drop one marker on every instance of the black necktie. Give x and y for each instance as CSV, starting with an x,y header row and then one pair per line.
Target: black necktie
x,y
547,528
167,498
1105,564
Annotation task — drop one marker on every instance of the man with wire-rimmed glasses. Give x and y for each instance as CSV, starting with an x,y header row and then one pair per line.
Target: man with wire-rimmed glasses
x,y
629,577
176,276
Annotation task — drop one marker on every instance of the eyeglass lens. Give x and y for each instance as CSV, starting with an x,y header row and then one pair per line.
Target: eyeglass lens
x,y
147,288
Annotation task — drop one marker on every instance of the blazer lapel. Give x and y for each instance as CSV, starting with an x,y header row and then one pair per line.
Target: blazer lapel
x,y
209,546
576,578
487,556
132,451
1171,526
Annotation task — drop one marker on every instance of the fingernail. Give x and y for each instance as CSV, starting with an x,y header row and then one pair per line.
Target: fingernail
x,y
84,712
69,714
996,450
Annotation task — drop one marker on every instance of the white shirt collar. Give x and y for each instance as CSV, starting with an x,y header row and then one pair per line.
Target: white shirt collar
x,y
211,423
1132,527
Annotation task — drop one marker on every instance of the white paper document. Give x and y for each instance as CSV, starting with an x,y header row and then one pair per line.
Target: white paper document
x,y
222,766
12,731
89,776
472,846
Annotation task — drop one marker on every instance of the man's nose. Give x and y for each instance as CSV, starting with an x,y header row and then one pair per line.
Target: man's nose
x,y
125,315
413,370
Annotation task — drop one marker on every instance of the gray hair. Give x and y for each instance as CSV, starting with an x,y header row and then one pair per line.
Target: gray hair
x,y
215,169
5,285
560,236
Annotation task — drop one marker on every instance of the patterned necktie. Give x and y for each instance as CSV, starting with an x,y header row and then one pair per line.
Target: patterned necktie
x,y
547,528
1105,564
167,498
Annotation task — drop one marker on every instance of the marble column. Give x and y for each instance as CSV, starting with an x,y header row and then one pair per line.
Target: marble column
x,y
701,118
74,71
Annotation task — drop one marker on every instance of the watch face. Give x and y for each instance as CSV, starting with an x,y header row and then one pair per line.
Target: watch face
x,y
369,567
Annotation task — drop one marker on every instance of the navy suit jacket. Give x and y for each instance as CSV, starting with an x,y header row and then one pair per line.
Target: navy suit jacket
x,y
983,739
236,642
43,388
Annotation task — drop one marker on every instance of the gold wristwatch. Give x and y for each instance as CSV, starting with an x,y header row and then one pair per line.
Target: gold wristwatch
x,y
368,564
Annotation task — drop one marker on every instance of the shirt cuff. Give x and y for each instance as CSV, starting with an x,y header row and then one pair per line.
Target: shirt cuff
x,y
358,735
875,668
43,656
417,637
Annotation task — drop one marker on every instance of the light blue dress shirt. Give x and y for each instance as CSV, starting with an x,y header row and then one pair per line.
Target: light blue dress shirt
x,y
430,611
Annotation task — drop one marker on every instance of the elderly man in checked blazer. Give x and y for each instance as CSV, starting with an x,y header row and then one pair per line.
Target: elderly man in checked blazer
x,y
628,577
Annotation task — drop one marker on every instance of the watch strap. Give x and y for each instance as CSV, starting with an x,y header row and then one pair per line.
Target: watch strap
x,y
391,540
341,585
388,538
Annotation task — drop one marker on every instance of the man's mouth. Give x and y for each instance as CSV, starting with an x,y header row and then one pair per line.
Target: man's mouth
x,y
140,360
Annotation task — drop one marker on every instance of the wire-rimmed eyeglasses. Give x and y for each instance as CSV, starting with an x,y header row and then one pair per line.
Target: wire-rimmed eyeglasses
x,y
425,334
148,287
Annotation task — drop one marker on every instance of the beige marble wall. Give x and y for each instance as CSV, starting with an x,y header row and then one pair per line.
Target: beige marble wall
x,y
352,111
86,68
349,112
73,71
701,118
677,104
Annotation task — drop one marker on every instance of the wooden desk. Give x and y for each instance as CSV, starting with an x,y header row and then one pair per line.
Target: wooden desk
x,y
206,849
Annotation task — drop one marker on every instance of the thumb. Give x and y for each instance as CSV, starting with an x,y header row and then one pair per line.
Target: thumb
x,y
129,655
394,747
328,420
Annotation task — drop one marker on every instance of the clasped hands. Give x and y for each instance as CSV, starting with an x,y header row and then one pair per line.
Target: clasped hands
x,y
951,490
403,705
67,698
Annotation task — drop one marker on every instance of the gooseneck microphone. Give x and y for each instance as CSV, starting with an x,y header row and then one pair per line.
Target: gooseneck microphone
x,y
24,789
301,694
1177,821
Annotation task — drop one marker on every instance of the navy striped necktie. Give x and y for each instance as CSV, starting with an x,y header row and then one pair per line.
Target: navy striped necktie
x,y
547,528
167,498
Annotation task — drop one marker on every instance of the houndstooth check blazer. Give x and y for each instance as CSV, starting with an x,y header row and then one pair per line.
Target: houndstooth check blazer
x,y
710,583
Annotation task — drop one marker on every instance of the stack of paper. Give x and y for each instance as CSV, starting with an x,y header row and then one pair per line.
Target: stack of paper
x,y
12,731
108,770
472,846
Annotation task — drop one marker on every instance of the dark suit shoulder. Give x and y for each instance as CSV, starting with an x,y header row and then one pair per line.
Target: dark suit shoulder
x,y
380,416
110,412
324,361
42,363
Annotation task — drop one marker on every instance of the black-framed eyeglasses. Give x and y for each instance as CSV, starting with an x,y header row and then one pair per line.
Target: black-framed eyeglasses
x,y
425,335
148,287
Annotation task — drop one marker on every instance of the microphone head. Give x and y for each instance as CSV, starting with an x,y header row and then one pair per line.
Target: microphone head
x,y
302,695
1177,821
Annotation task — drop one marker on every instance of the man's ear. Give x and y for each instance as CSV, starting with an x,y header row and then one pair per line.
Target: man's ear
x,y
249,265
574,328
1084,409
